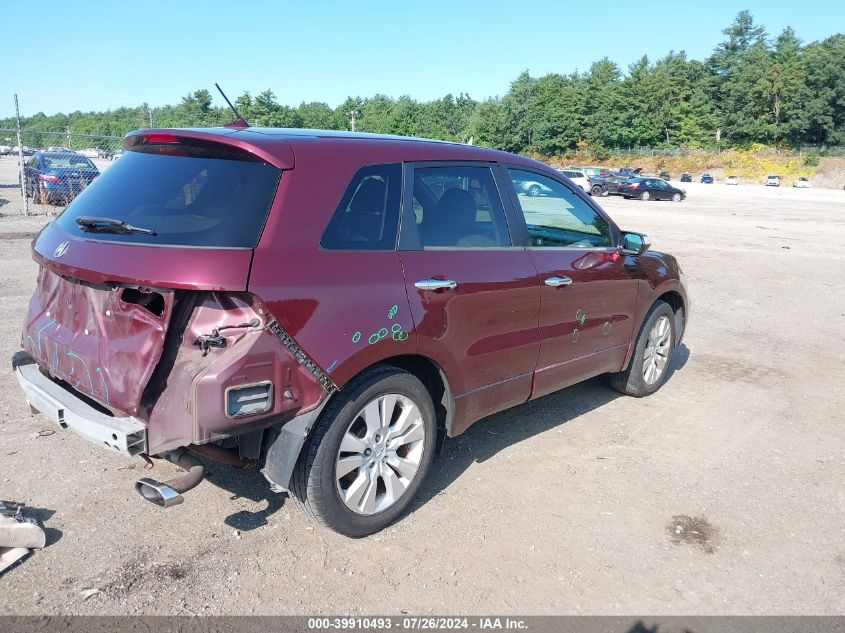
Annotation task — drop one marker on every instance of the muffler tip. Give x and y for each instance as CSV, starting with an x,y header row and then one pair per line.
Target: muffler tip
x,y
158,493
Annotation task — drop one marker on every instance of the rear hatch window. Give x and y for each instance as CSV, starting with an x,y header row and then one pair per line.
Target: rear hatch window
x,y
177,195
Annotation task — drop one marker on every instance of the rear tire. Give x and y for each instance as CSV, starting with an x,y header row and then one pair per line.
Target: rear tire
x,y
534,191
344,435
652,357
596,191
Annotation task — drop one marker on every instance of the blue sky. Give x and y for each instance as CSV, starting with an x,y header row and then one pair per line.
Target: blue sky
x,y
65,55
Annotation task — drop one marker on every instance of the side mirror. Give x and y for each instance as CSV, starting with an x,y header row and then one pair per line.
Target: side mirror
x,y
634,243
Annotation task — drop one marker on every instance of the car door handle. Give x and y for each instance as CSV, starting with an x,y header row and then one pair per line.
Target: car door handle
x,y
436,284
558,281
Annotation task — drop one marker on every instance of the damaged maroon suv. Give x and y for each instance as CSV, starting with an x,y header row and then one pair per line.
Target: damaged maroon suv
x,y
329,307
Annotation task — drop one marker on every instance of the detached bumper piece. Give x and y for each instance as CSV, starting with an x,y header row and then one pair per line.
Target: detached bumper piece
x,y
125,435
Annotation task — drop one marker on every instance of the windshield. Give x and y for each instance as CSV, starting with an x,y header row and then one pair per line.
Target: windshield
x,y
191,199
67,161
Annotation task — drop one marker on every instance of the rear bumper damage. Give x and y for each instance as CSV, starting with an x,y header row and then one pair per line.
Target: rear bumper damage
x,y
126,435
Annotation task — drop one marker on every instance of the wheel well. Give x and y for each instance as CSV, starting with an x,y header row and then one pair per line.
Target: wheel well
x,y
676,302
432,376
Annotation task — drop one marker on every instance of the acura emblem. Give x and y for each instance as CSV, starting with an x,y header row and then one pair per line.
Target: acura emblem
x,y
61,249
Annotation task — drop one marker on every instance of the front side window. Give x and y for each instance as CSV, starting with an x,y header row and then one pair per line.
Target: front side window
x,y
555,216
458,207
368,213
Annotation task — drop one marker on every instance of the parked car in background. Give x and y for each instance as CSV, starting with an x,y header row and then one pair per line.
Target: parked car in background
x,y
91,152
686,177
802,183
116,154
628,172
56,148
607,185
773,181
577,177
707,179
651,189
5,149
163,325
665,176
26,151
57,177
590,171
732,180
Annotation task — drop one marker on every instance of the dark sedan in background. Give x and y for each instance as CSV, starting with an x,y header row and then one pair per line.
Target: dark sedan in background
x,y
57,177
651,189
607,185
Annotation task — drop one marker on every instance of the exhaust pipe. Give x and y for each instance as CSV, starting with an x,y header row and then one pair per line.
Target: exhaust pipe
x,y
169,494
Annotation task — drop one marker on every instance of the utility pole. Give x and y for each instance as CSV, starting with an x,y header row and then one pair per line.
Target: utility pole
x,y
20,158
352,114
150,113
67,129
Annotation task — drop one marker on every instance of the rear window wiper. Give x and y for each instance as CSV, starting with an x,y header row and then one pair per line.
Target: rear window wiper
x,y
109,225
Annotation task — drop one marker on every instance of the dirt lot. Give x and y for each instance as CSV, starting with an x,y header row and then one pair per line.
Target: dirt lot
x,y
723,493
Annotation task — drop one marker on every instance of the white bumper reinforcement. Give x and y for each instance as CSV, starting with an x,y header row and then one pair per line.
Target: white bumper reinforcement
x,y
123,435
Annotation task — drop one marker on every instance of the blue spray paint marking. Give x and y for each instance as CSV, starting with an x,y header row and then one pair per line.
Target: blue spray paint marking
x,y
56,358
105,386
46,325
329,370
90,382
29,338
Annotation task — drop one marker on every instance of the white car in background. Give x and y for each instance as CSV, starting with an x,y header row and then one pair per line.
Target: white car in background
x,y
90,152
578,177
732,180
802,183
773,181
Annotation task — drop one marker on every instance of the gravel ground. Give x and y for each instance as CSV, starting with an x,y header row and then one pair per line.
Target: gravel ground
x,y
721,494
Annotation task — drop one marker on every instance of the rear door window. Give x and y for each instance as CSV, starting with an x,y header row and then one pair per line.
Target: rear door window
x,y
368,214
186,196
458,207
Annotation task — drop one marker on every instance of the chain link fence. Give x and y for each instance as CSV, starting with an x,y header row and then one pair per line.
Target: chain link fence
x,y
45,170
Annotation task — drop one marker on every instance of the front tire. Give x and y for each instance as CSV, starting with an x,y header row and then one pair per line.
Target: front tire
x,y
652,357
676,197
534,191
368,453
596,191
645,195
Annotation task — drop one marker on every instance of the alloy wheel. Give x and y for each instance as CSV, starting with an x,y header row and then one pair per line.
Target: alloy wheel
x,y
657,350
380,454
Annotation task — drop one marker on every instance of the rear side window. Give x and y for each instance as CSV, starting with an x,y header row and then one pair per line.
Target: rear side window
x,y
368,214
458,207
187,197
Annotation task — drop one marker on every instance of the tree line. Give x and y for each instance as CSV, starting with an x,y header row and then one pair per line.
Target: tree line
x,y
752,89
